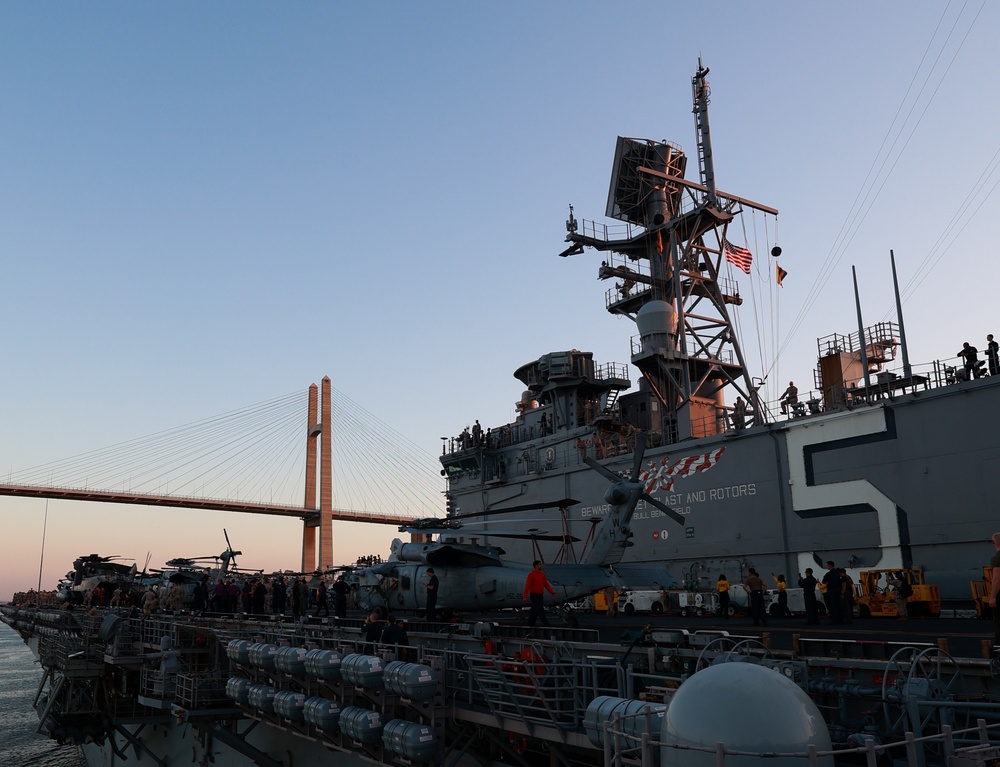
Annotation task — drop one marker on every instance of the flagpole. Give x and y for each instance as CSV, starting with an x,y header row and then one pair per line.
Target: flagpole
x,y
41,556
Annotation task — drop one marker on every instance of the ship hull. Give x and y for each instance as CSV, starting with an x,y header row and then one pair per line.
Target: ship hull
x,y
904,483
176,743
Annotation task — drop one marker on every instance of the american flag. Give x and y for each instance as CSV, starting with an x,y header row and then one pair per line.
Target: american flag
x,y
739,257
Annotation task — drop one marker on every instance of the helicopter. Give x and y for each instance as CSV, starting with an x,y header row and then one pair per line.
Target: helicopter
x,y
91,571
475,577
190,571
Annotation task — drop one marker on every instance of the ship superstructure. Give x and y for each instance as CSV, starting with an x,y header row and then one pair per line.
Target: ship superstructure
x,y
876,468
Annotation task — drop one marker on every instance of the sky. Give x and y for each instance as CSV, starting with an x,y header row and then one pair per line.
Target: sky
x,y
208,205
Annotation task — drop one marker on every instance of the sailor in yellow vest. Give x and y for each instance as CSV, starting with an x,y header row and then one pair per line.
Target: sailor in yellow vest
x,y
722,587
780,584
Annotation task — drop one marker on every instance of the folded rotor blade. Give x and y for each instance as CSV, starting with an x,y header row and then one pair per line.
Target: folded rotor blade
x,y
664,508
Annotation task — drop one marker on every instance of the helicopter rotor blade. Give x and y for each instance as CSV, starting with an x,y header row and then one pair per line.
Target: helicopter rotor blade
x,y
664,508
604,471
556,504
640,450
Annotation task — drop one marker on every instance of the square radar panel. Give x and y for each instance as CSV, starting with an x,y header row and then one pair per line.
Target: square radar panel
x,y
641,198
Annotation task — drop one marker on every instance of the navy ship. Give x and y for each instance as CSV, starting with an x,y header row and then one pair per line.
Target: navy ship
x,y
864,475
879,469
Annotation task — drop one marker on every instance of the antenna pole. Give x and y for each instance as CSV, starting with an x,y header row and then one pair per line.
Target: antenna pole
x,y
907,372
706,167
861,328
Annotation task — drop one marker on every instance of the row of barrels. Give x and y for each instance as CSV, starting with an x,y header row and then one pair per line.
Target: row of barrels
x,y
409,740
411,680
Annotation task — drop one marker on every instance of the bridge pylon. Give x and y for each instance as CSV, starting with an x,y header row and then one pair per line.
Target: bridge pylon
x,y
319,428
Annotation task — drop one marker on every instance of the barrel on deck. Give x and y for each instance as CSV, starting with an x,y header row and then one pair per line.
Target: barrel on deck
x,y
324,664
633,715
363,670
291,659
410,740
238,650
238,689
322,712
361,724
290,704
411,680
262,697
263,655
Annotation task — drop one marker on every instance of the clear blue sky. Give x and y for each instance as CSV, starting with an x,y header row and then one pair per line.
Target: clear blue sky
x,y
204,206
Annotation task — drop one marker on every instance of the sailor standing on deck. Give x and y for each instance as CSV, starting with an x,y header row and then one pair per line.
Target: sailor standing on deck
x,y
433,584
832,594
808,586
535,586
970,355
993,355
789,398
722,589
739,414
754,586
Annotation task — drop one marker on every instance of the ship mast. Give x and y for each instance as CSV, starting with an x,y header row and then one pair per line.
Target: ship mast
x,y
687,350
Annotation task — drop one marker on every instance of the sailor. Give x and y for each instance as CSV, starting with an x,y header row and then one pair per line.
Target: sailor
x,y
789,398
739,413
150,602
899,592
395,634
781,585
831,596
722,589
321,604
754,586
340,589
808,586
477,434
611,601
993,354
432,595
970,355
373,628
535,586
279,595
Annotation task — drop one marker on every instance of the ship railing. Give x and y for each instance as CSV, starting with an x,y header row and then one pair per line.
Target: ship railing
x,y
539,689
725,356
626,740
598,230
69,653
611,371
881,340
155,682
201,691
890,381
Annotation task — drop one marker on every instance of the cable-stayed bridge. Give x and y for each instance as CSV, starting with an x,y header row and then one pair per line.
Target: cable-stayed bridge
x,y
316,456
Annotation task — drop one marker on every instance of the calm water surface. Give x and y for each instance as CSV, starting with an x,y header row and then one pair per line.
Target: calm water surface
x,y
19,745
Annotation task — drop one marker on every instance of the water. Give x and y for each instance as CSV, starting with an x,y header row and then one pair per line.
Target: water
x,y
19,745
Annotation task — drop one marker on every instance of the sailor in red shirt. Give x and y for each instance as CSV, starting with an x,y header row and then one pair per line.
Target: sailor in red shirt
x,y
534,594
